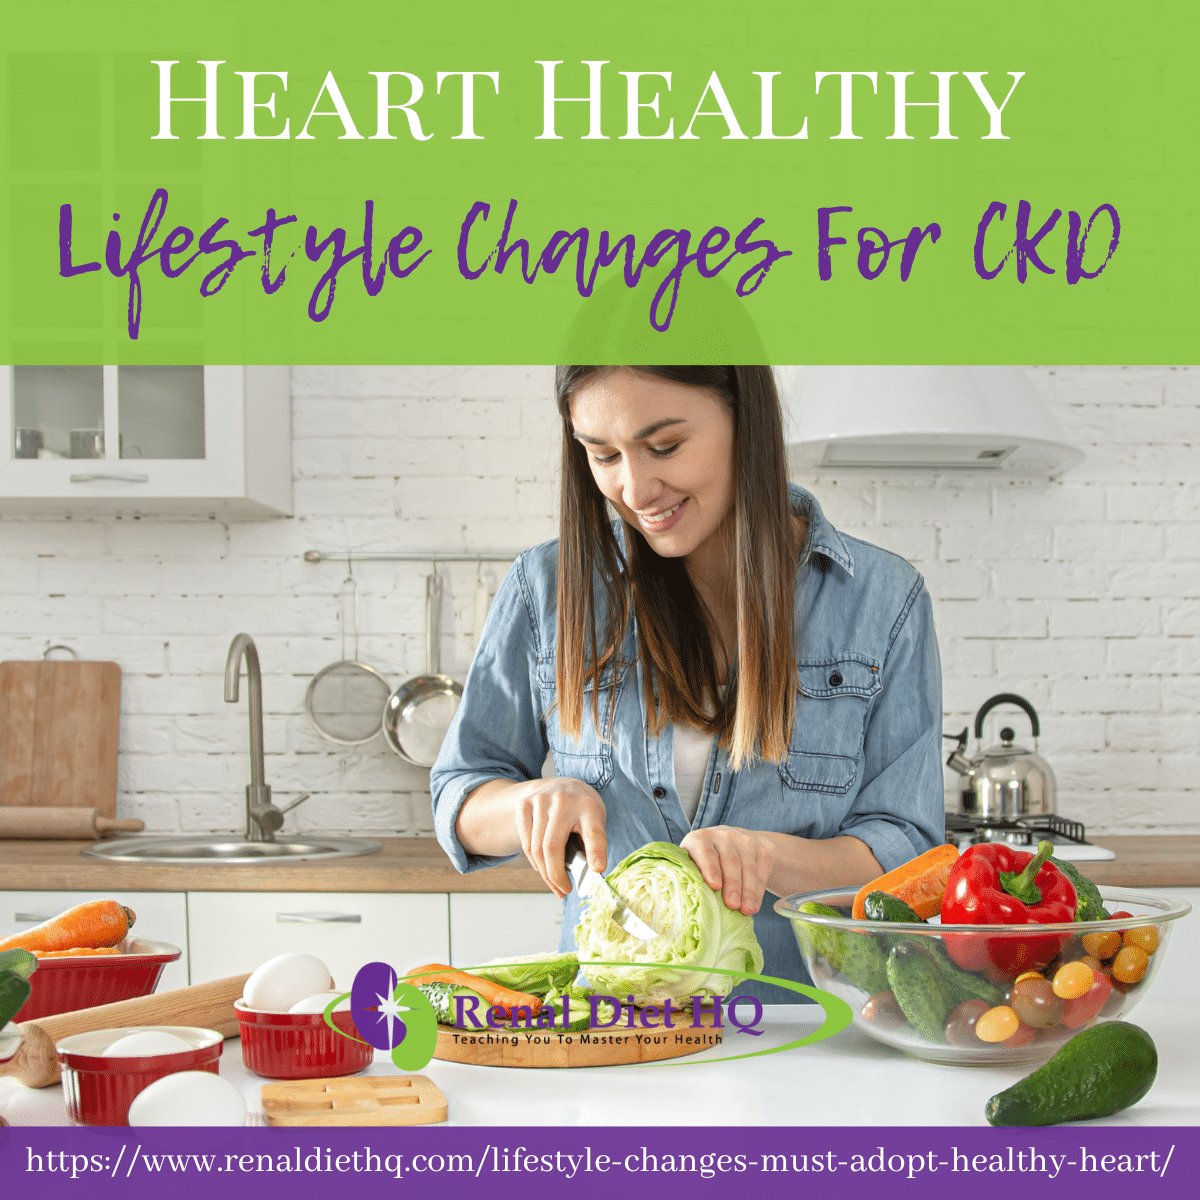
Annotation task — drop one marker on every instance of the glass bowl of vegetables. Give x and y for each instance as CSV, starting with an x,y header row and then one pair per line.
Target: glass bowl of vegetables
x,y
980,994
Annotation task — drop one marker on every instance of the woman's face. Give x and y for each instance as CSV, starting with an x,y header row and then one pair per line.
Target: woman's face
x,y
661,452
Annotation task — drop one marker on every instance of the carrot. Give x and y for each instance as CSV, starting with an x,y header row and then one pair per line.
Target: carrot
x,y
78,952
920,883
96,923
493,993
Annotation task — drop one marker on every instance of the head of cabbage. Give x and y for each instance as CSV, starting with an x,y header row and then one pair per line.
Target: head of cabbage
x,y
662,884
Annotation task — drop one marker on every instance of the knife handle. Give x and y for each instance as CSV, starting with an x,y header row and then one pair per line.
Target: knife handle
x,y
574,846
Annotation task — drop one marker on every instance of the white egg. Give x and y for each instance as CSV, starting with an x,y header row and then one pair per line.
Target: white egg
x,y
280,982
145,1043
188,1098
319,1003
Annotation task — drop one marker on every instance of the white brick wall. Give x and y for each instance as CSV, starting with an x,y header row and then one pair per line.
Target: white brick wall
x,y
1082,595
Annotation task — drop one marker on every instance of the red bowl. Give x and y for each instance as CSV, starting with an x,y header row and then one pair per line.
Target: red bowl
x,y
300,1045
99,1090
66,984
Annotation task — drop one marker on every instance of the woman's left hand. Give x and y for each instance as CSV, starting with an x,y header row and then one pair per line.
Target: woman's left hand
x,y
737,861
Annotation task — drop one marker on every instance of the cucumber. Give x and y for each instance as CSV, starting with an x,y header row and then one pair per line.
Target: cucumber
x,y
916,981
1097,1073
864,962
20,961
819,941
580,1015
14,991
441,996
961,985
856,955
1090,906
881,906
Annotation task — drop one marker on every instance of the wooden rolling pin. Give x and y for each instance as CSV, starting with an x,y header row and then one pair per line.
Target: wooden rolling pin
x,y
68,823
203,1005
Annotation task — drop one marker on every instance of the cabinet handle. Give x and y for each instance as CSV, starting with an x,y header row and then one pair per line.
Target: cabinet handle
x,y
97,477
35,917
319,918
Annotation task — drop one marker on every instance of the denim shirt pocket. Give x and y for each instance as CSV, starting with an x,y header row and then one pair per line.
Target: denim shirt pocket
x,y
831,714
590,756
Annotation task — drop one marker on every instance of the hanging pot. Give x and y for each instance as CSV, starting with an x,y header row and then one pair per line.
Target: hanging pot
x,y
419,711
1006,781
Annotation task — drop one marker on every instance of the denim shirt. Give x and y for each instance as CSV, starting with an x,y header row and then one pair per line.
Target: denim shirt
x,y
865,751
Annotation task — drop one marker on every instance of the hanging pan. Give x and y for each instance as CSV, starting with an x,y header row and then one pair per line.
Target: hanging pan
x,y
343,698
418,712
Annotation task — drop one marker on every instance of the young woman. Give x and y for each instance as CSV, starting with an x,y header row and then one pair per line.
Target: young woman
x,y
718,667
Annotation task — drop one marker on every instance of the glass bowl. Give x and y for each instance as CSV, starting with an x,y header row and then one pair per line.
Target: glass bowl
x,y
948,974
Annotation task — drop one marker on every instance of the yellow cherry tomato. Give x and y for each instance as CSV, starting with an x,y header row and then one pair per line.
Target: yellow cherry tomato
x,y
1029,975
1073,980
1102,945
1144,937
997,1024
1129,965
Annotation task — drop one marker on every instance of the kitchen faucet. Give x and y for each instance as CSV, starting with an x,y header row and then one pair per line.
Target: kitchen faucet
x,y
262,817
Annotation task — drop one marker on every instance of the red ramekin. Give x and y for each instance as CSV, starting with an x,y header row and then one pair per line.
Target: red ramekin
x,y
66,984
300,1045
99,1090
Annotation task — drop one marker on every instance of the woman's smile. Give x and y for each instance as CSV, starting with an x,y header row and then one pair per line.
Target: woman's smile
x,y
663,519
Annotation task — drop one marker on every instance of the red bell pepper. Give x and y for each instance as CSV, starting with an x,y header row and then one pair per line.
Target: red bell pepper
x,y
993,884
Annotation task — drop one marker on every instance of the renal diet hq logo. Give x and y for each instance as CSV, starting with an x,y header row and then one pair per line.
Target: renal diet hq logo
x,y
390,1014
393,1014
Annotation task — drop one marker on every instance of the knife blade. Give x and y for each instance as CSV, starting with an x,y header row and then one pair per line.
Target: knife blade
x,y
588,883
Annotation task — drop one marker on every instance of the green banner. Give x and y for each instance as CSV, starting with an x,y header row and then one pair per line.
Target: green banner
x,y
861,181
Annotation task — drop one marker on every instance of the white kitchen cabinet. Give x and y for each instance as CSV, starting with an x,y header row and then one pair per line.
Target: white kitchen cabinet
x,y
486,925
172,440
235,932
161,916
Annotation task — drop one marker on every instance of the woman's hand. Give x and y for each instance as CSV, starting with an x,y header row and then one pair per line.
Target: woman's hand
x,y
737,861
501,817
546,813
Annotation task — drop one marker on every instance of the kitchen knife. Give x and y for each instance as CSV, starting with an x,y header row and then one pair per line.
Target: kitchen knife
x,y
588,883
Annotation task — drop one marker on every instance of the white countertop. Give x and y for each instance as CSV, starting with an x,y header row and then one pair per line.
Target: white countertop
x,y
844,1081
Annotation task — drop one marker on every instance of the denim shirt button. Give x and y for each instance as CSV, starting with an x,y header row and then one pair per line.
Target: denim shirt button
x,y
835,680
659,793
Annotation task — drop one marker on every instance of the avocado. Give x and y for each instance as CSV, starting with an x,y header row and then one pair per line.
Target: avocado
x,y
1097,1073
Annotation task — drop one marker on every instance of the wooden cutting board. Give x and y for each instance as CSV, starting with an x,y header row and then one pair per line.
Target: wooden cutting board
x,y
59,727
362,1100
591,1048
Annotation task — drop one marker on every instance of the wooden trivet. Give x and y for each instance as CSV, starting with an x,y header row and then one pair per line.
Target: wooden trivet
x,y
361,1100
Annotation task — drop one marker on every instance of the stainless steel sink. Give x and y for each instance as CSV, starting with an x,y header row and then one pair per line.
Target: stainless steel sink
x,y
229,848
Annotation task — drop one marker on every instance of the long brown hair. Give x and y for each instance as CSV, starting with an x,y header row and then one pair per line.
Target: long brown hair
x,y
674,630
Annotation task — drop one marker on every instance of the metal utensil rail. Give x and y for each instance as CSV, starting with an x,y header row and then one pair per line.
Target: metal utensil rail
x,y
429,556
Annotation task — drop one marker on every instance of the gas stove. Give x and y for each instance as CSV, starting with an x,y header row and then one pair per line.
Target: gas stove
x,y
1025,833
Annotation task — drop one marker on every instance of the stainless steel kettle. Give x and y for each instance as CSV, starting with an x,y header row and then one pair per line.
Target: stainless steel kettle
x,y
1007,781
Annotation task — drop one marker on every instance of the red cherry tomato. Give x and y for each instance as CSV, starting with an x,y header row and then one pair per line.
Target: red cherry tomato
x,y
1119,916
1024,1035
1078,1012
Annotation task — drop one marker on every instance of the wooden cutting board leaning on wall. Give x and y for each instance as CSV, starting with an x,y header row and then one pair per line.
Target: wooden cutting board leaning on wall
x,y
59,727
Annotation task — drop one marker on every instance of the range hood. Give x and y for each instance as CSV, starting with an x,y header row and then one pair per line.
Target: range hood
x,y
976,420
